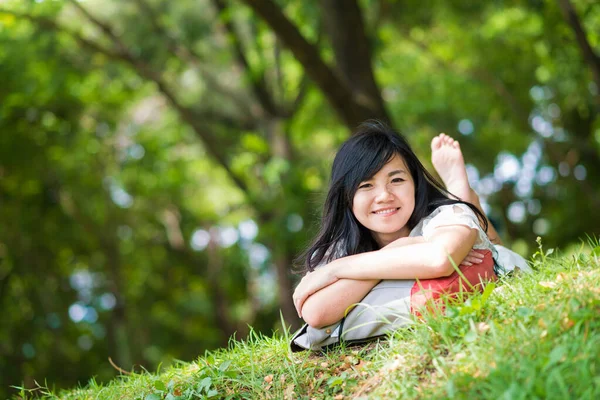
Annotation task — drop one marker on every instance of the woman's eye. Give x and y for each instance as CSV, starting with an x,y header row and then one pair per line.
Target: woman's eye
x,y
397,180
364,186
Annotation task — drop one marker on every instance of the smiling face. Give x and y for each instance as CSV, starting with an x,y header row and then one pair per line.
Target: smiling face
x,y
384,203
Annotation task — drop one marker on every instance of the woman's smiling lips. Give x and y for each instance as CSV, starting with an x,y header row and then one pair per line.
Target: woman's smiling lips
x,y
386,211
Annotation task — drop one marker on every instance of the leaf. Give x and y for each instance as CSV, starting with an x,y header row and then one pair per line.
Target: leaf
x,y
159,385
223,367
212,393
452,312
466,310
205,383
470,337
489,288
524,312
451,389
231,374
289,391
335,381
556,355
476,304
153,396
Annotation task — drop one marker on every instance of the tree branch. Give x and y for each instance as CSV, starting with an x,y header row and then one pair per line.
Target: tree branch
x,y
257,79
103,27
335,90
278,71
589,56
4,283
292,108
183,52
481,75
187,115
50,24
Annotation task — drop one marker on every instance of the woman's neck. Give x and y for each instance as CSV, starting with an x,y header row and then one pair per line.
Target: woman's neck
x,y
383,239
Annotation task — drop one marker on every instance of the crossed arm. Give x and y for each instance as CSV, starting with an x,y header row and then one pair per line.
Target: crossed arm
x,y
323,296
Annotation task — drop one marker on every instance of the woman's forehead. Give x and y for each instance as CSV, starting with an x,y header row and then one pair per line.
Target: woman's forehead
x,y
396,164
396,161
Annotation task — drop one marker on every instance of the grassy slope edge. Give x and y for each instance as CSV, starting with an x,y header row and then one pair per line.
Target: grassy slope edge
x,y
535,336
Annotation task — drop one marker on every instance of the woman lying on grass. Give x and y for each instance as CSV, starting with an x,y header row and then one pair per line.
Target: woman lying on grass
x,y
391,237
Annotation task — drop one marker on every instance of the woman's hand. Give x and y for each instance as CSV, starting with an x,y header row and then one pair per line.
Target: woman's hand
x,y
313,282
474,257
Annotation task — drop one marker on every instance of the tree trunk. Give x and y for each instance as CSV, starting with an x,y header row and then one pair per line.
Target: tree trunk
x,y
221,304
345,26
119,332
283,263
589,56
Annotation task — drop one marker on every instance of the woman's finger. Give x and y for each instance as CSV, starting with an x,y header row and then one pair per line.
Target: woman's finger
x,y
473,260
476,254
300,295
297,298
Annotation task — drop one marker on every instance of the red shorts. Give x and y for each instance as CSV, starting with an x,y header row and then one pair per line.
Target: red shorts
x,y
427,292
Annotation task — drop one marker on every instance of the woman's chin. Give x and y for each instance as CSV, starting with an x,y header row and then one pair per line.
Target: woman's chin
x,y
389,230
388,236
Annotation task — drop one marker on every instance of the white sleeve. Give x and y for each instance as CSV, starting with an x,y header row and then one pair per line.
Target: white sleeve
x,y
456,214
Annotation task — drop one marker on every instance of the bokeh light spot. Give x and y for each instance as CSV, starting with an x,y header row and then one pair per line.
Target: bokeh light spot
x,y
580,172
294,223
200,239
108,301
516,212
77,312
466,127
248,229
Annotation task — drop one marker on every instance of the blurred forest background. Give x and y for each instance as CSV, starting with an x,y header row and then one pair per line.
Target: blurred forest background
x,y
162,163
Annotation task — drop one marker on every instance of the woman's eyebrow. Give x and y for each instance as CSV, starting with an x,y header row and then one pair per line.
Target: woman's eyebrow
x,y
397,171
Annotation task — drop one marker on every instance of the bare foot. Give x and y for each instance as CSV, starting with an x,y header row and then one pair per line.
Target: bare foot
x,y
448,161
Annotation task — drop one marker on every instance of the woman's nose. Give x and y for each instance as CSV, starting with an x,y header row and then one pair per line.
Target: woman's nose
x,y
383,194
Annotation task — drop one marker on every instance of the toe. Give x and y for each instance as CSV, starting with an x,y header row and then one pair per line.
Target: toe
x,y
436,142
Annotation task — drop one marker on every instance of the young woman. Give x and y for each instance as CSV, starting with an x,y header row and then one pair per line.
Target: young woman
x,y
386,219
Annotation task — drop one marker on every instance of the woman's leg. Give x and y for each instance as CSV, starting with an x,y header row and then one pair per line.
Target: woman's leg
x,y
449,163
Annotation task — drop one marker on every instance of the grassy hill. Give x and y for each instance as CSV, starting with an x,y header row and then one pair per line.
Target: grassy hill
x,y
534,336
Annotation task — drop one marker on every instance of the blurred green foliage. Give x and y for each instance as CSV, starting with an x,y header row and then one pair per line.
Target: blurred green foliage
x,y
162,163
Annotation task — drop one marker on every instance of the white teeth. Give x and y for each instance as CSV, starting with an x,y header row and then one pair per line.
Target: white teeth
x,y
388,211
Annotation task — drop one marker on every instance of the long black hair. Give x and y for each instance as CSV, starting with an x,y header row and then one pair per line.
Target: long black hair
x,y
372,145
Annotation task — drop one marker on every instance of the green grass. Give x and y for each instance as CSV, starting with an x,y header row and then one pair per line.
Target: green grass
x,y
535,336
